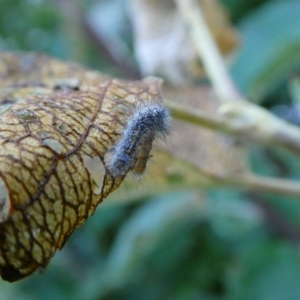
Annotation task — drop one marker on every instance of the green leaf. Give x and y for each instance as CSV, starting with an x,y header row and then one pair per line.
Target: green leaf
x,y
270,48
269,270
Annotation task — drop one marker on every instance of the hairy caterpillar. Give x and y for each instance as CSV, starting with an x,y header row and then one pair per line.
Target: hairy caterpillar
x,y
132,151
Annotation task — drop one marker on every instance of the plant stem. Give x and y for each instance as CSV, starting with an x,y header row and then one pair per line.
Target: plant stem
x,y
263,128
207,50
235,116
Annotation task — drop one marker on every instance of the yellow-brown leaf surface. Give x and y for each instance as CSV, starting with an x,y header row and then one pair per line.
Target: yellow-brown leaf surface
x,y
54,139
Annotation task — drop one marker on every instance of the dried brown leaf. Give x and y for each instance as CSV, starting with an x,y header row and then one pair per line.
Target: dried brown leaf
x,y
53,149
32,69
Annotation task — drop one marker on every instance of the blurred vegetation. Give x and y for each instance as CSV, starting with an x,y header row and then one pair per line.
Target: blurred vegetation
x,y
222,244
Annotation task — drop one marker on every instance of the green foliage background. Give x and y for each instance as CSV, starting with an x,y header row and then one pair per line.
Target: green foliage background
x,y
184,244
